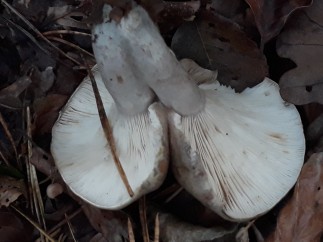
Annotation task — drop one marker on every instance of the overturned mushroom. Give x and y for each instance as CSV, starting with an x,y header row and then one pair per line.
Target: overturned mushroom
x,y
238,153
80,149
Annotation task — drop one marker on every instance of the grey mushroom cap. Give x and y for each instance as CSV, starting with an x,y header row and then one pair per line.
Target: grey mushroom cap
x,y
83,156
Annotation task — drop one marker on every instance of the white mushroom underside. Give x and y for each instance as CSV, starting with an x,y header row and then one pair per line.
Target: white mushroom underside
x,y
251,146
84,158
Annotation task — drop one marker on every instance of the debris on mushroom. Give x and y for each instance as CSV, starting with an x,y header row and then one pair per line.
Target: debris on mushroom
x,y
80,149
237,153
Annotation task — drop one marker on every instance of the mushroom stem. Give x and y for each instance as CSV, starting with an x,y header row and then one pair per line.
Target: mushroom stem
x,y
160,68
113,55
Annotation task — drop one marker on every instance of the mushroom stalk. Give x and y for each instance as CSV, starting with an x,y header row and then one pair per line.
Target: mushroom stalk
x,y
237,153
84,156
113,55
159,66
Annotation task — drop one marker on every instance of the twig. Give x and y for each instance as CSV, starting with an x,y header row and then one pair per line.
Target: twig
x,y
37,198
130,231
143,219
33,28
8,134
64,221
65,31
71,45
43,232
156,236
70,227
108,131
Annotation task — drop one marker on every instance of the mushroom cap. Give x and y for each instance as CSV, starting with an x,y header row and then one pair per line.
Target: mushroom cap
x,y
83,155
242,153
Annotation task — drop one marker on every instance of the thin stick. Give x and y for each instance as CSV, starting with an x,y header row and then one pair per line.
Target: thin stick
x,y
143,219
33,28
71,45
64,220
108,131
171,197
43,232
37,198
156,236
65,31
70,227
8,134
4,158
130,231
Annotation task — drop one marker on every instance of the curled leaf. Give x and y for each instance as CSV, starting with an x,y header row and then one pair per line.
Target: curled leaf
x,y
301,218
10,190
302,41
217,43
270,16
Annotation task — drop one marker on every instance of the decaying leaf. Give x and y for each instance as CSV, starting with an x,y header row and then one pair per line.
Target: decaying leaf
x,y
10,190
9,96
172,229
270,16
46,112
302,217
315,129
302,41
217,43
13,228
111,224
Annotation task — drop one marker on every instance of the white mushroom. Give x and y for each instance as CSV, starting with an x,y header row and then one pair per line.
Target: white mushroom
x,y
237,153
79,146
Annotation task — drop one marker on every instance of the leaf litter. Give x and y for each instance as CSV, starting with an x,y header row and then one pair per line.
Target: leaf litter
x,y
48,70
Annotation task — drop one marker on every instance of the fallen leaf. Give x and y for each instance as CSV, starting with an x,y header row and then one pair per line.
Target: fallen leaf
x,y
270,16
217,43
13,228
111,224
229,9
302,41
42,81
10,190
302,217
47,111
9,96
315,129
173,14
173,229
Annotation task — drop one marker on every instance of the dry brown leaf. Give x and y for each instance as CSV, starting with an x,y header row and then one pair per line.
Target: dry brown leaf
x,y
46,112
302,41
217,43
270,16
173,229
13,228
9,96
302,217
10,190
111,224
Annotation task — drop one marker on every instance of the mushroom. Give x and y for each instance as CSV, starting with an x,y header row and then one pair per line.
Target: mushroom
x,y
237,153
80,149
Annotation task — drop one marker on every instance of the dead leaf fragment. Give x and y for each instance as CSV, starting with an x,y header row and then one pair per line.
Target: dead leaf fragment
x,y
302,41
111,224
47,111
9,96
172,229
10,190
13,228
302,217
270,16
217,43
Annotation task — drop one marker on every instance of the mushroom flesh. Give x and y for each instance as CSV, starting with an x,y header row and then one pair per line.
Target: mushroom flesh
x,y
237,153
139,127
